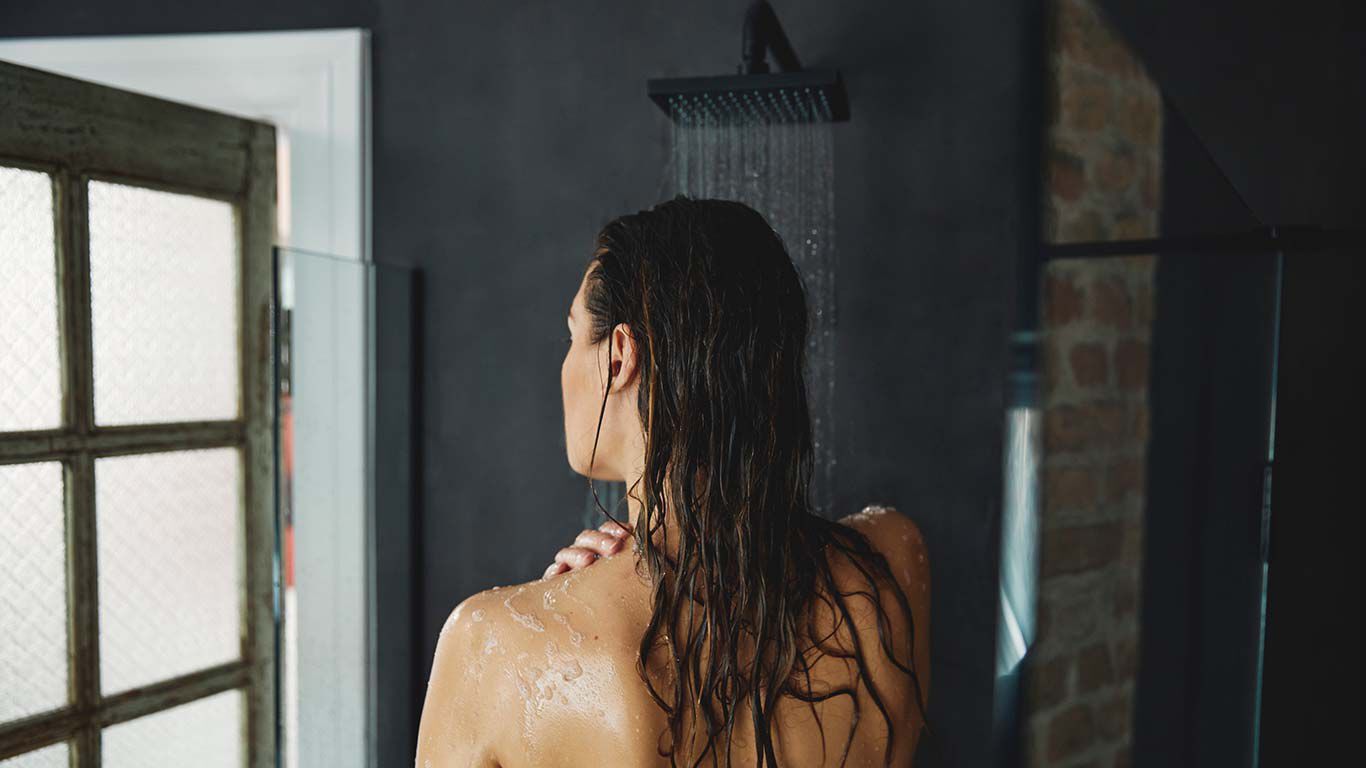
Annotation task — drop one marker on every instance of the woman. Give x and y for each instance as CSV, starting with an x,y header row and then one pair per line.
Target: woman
x,y
739,629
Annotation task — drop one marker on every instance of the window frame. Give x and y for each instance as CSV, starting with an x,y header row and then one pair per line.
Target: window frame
x,y
76,132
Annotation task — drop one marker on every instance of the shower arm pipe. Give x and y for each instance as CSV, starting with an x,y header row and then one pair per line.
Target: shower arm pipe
x,y
763,33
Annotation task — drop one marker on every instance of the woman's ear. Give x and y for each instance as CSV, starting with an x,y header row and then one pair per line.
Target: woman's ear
x,y
623,356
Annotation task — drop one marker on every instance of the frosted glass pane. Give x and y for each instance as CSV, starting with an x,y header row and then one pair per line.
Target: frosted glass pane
x,y
31,397
54,756
168,541
206,733
32,590
163,305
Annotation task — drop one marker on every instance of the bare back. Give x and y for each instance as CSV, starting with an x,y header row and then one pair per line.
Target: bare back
x,y
559,659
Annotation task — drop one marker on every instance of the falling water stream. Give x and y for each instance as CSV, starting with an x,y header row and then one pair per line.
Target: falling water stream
x,y
775,153
777,157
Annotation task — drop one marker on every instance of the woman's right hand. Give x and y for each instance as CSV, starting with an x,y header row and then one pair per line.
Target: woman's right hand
x,y
588,546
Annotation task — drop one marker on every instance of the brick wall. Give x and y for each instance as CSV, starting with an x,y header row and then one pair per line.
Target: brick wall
x,y
1103,163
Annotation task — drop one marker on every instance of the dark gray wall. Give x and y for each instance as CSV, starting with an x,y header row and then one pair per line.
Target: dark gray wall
x,y
506,134
1263,128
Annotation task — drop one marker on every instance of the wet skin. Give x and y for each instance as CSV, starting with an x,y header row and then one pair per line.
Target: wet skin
x,y
544,673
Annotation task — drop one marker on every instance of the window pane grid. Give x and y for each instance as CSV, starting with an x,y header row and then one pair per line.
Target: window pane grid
x,y
78,589
137,143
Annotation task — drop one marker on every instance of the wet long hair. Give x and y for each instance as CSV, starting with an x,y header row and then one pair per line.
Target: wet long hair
x,y
718,315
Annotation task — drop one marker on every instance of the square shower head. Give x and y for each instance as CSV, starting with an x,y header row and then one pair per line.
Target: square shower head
x,y
778,97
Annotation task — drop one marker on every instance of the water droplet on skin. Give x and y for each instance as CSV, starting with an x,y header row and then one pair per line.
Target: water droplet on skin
x,y
478,615
525,619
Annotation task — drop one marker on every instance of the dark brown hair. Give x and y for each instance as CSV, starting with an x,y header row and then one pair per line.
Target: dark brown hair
x,y
719,317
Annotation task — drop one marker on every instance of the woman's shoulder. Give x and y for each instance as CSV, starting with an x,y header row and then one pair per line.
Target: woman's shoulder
x,y
541,656
568,610
896,537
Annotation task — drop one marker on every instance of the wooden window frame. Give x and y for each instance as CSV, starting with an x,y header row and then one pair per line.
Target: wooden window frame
x,y
76,132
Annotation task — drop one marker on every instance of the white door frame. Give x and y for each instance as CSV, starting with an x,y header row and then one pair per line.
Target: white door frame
x,y
315,87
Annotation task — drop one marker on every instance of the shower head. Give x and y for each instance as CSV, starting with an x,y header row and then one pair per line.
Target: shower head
x,y
781,97
791,96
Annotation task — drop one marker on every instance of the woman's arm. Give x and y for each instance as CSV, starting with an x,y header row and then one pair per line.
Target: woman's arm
x,y
461,709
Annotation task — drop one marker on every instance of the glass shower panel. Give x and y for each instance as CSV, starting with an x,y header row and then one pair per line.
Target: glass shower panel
x,y
344,364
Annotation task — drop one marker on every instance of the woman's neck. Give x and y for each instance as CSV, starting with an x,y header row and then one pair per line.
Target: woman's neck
x,y
667,539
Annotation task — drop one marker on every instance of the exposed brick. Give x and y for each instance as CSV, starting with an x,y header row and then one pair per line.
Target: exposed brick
x,y
1150,189
1074,616
1103,182
1070,488
1062,299
1050,222
1116,169
1124,479
1084,39
1139,268
1048,683
1126,598
1139,423
1143,303
1084,427
1079,548
1086,100
1112,716
1071,731
1093,668
1110,304
1131,548
1126,656
1139,116
1090,365
1043,623
1131,226
1051,374
1067,175
1131,364
1080,226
